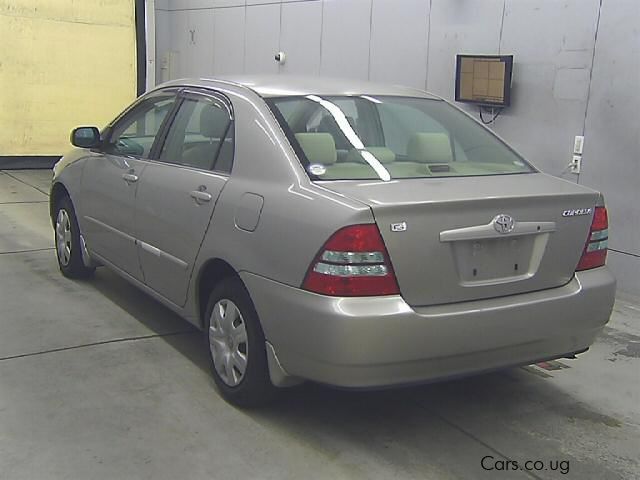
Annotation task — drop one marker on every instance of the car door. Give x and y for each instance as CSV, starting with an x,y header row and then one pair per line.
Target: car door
x,y
110,181
178,192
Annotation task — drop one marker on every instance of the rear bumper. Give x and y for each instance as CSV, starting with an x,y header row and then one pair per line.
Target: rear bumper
x,y
382,341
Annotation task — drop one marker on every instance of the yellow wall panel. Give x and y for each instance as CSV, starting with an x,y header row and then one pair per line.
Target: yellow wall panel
x,y
108,12
63,63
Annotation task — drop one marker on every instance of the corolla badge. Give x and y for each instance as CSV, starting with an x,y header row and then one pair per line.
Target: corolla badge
x,y
504,223
574,212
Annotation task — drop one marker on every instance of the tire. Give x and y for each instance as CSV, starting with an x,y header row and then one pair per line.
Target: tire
x,y
67,241
236,346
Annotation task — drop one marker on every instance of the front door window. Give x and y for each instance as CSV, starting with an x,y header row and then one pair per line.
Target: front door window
x,y
135,133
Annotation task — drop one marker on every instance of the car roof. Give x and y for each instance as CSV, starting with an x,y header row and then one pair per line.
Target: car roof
x,y
290,85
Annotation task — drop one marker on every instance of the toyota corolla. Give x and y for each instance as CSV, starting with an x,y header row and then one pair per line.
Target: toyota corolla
x,y
346,233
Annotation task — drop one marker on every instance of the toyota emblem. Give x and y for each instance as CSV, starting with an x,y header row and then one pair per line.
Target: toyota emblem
x,y
504,223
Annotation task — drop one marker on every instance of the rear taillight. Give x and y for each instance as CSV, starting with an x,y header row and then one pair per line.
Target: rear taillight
x,y
353,262
595,250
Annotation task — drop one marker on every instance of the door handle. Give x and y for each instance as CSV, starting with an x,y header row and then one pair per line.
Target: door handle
x,y
200,196
130,177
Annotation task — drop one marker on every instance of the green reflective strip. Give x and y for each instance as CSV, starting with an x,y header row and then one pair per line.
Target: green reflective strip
x,y
352,257
601,245
599,235
351,270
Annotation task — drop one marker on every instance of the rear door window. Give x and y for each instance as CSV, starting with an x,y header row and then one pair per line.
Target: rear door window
x,y
201,135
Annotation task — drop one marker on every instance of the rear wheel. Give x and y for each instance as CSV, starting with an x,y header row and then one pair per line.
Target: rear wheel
x,y
68,247
237,346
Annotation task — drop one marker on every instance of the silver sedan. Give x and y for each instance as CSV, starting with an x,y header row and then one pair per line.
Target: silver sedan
x,y
346,233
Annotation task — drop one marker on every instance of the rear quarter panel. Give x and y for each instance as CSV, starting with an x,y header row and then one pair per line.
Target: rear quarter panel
x,y
296,217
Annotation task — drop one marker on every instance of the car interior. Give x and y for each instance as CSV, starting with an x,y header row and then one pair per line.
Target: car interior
x,y
335,149
209,140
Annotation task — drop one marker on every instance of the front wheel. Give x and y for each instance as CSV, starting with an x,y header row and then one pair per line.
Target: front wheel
x,y
237,346
67,236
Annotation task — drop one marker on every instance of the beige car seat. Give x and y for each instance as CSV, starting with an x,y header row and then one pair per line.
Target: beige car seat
x,y
213,125
320,148
429,148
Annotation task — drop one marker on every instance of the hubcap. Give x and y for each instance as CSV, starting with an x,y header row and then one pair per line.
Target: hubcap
x,y
228,342
63,237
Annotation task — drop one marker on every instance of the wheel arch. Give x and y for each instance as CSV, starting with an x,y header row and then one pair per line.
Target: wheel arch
x,y
58,191
212,272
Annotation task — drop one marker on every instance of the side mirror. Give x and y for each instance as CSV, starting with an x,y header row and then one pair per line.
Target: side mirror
x,y
85,137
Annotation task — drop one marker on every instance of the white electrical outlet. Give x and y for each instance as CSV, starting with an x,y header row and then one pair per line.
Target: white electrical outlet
x,y
576,164
578,145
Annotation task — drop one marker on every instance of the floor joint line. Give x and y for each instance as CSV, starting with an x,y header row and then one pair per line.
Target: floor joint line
x,y
28,251
94,344
24,202
25,183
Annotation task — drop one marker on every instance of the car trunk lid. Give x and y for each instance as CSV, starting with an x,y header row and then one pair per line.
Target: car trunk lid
x,y
468,238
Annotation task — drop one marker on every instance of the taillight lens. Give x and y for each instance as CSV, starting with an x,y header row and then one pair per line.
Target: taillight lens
x,y
595,250
353,262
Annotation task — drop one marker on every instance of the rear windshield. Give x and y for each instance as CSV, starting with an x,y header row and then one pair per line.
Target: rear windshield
x,y
384,138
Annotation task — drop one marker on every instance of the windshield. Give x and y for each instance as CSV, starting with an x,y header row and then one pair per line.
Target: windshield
x,y
383,138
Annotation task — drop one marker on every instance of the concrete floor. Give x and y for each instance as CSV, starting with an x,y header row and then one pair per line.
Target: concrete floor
x,y
97,381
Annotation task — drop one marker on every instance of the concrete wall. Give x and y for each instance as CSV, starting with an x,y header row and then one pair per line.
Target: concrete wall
x,y
576,71
62,63
612,133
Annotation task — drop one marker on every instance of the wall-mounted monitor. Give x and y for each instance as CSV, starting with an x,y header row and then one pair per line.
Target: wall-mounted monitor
x,y
484,79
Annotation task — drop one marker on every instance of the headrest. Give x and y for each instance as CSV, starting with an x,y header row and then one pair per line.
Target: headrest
x,y
383,154
429,148
318,147
213,121
329,125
